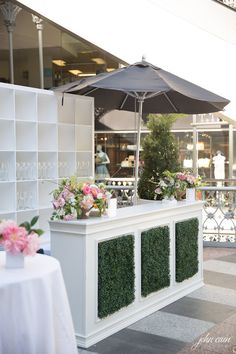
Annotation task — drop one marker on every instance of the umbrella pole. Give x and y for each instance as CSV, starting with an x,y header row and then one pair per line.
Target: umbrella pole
x,y
140,112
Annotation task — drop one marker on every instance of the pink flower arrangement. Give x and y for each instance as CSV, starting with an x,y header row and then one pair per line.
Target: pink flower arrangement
x,y
72,198
20,239
190,180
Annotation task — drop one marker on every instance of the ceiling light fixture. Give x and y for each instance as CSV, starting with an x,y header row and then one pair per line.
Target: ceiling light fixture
x,y
75,72
59,62
88,74
110,69
98,61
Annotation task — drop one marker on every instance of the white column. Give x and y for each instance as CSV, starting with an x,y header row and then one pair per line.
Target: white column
x,y
38,23
10,11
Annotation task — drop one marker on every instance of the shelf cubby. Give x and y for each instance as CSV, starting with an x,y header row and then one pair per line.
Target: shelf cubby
x,y
44,216
66,109
7,106
7,192
47,137
66,164
84,164
83,138
26,165
47,165
25,105
7,166
47,108
27,215
45,189
7,216
7,135
66,137
26,137
26,195
83,111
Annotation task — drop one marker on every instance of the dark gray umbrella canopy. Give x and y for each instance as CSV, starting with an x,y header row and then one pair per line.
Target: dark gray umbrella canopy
x,y
155,90
171,94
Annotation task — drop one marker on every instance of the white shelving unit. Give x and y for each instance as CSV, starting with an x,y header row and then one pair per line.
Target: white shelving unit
x,y
41,141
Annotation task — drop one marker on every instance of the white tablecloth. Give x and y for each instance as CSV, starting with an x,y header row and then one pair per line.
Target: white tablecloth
x,y
35,316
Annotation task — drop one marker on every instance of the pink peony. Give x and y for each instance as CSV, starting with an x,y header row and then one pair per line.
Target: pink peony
x,y
14,239
5,224
32,245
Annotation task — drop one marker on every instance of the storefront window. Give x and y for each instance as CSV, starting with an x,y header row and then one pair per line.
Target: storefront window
x,y
120,148
209,143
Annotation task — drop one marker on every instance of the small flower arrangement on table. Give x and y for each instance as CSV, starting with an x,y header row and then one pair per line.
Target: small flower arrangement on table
x,y
22,239
173,185
74,199
167,186
189,180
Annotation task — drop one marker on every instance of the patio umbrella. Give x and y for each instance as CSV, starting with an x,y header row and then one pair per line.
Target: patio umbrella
x,y
154,89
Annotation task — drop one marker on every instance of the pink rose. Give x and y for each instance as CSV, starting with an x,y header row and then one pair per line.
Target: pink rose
x,y
86,189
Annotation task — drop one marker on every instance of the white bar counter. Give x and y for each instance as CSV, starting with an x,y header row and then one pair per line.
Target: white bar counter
x,y
79,246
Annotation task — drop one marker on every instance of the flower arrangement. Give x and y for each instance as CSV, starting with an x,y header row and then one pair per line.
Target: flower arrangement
x,y
188,180
170,185
20,239
74,199
167,185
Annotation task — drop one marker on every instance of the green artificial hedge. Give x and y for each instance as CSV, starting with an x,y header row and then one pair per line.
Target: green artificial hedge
x,y
115,274
155,251
186,233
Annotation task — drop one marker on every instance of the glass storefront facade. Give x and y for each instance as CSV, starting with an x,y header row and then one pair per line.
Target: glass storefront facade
x,y
120,147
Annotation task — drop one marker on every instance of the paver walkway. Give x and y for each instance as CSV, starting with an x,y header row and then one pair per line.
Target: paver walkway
x,y
202,322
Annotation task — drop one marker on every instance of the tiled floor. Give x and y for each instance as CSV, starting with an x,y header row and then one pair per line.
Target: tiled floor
x,y
202,322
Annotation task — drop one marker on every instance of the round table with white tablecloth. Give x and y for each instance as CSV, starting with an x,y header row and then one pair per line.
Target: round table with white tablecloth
x,y
35,316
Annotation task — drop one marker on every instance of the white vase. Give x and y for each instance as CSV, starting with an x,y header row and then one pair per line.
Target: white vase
x,y
190,194
15,261
112,207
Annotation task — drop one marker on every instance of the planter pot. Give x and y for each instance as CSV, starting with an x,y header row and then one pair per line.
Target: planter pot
x,y
180,195
190,194
15,261
112,207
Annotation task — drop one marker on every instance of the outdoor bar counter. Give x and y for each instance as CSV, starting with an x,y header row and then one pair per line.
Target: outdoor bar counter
x,y
118,270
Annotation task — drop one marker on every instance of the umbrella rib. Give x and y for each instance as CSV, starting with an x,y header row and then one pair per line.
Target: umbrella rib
x,y
92,90
123,102
170,102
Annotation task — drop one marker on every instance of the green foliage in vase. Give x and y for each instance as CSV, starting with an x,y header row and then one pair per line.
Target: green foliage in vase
x,y
160,153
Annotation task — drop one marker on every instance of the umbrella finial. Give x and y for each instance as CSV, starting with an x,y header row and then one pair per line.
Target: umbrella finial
x,y
143,57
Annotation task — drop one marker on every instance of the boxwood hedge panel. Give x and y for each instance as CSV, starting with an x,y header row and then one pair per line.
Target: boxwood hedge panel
x,y
115,274
155,251
186,249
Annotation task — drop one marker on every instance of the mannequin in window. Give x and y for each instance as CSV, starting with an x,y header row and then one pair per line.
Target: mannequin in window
x,y
219,165
101,160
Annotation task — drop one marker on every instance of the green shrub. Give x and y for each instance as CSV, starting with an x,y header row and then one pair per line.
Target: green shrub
x,y
115,274
160,152
155,251
186,249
